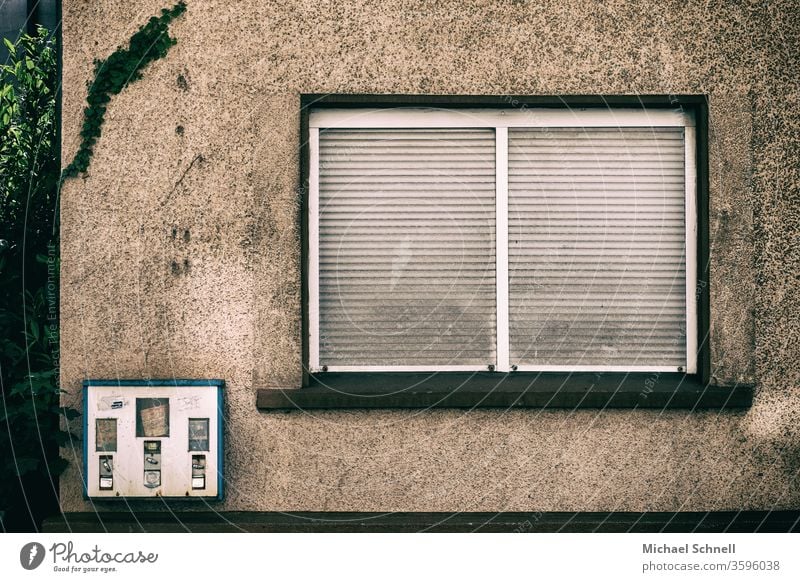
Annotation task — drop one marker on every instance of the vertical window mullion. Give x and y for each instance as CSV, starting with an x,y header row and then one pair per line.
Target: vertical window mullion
x,y
313,250
501,248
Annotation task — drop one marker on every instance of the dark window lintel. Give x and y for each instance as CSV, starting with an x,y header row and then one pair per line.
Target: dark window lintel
x,y
310,100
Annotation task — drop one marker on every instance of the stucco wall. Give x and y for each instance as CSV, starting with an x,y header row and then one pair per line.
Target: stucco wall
x,y
181,249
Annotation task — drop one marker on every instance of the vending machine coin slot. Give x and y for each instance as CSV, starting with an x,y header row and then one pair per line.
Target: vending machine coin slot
x,y
198,471
152,464
106,472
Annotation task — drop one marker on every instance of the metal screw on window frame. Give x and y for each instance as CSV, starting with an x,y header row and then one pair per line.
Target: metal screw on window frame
x,y
324,368
680,368
513,367
490,367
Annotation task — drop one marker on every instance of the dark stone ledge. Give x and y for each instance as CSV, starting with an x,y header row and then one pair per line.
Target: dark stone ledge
x,y
530,522
500,390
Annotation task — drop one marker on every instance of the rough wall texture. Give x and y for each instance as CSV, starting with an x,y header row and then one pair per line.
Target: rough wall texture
x,y
181,253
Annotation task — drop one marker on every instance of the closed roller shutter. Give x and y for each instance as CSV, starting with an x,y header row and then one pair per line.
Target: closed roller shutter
x,y
406,247
597,235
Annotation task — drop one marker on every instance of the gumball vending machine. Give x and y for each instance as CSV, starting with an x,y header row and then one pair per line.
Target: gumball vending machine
x,y
153,438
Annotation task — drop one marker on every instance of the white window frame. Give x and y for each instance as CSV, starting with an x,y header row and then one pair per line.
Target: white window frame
x,y
501,120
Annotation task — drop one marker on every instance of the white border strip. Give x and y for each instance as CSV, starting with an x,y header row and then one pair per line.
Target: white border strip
x,y
690,170
481,368
313,249
475,368
535,368
411,117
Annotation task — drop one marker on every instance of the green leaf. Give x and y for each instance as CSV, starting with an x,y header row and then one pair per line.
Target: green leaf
x,y
70,413
57,465
10,46
63,437
20,388
34,328
25,465
10,415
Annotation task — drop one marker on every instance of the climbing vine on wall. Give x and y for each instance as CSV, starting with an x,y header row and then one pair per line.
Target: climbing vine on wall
x,y
113,74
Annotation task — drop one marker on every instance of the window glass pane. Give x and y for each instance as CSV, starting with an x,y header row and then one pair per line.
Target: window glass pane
x,y
597,247
406,247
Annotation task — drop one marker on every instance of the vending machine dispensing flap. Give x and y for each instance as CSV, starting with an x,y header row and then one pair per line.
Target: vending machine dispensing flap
x,y
153,438
152,464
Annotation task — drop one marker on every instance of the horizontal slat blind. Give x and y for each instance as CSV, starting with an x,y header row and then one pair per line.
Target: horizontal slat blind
x,y
406,247
597,247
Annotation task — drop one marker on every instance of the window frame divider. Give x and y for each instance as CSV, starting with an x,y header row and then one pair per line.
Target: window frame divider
x,y
502,339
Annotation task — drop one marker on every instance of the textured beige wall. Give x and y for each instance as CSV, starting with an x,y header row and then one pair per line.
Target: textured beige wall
x,y
180,252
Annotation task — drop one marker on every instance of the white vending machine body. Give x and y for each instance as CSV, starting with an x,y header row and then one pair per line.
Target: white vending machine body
x,y
153,438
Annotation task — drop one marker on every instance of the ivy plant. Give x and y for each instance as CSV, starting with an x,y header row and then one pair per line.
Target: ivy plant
x,y
113,74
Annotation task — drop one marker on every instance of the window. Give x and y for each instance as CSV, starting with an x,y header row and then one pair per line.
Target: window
x,y
502,239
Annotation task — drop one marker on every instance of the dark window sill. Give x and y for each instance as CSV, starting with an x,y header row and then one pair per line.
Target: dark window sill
x,y
500,390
